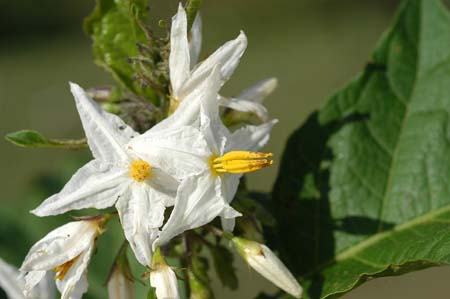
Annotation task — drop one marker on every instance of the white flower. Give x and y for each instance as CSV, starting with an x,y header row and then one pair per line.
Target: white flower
x,y
250,100
220,160
13,283
186,81
67,251
163,278
266,263
139,187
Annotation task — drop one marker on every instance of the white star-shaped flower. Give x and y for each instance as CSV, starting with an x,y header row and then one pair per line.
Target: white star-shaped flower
x,y
67,251
140,188
217,164
249,100
13,283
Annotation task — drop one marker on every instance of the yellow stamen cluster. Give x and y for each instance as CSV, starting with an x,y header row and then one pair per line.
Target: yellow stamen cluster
x,y
140,170
62,270
240,162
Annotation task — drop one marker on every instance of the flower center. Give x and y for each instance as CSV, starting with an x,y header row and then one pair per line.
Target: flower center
x,y
240,162
62,270
140,170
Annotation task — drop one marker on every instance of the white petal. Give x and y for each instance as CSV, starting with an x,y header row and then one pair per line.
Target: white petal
x,y
106,133
259,91
75,284
60,246
32,279
95,185
141,215
179,65
179,152
251,138
211,125
227,57
245,106
195,41
187,113
165,282
198,202
46,287
269,265
227,218
10,281
119,286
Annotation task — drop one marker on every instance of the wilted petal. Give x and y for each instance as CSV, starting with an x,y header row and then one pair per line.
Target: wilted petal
x,y
179,65
179,152
60,246
195,40
266,263
165,282
226,57
251,138
95,185
141,215
10,281
198,202
106,133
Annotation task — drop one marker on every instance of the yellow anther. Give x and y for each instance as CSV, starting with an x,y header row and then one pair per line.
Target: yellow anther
x,y
240,162
140,170
62,270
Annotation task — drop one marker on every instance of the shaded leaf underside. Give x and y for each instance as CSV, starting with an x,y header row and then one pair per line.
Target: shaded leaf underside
x,y
364,186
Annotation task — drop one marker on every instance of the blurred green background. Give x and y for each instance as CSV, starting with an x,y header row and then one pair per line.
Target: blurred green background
x,y
312,46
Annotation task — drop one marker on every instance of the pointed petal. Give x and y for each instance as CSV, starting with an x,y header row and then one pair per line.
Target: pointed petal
x,y
198,202
180,152
165,282
195,41
60,246
141,215
259,91
179,65
75,284
187,114
10,281
251,138
245,106
227,57
227,218
106,133
95,185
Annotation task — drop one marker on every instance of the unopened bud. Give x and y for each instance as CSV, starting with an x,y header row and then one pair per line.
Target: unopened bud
x,y
163,278
266,263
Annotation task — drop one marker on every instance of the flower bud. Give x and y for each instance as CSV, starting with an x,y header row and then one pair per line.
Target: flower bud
x,y
120,281
163,278
266,263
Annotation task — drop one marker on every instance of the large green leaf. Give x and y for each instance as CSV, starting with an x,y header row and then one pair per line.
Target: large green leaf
x,y
116,28
364,185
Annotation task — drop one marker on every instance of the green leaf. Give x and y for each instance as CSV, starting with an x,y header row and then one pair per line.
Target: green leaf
x,y
115,27
364,185
223,264
199,282
30,138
